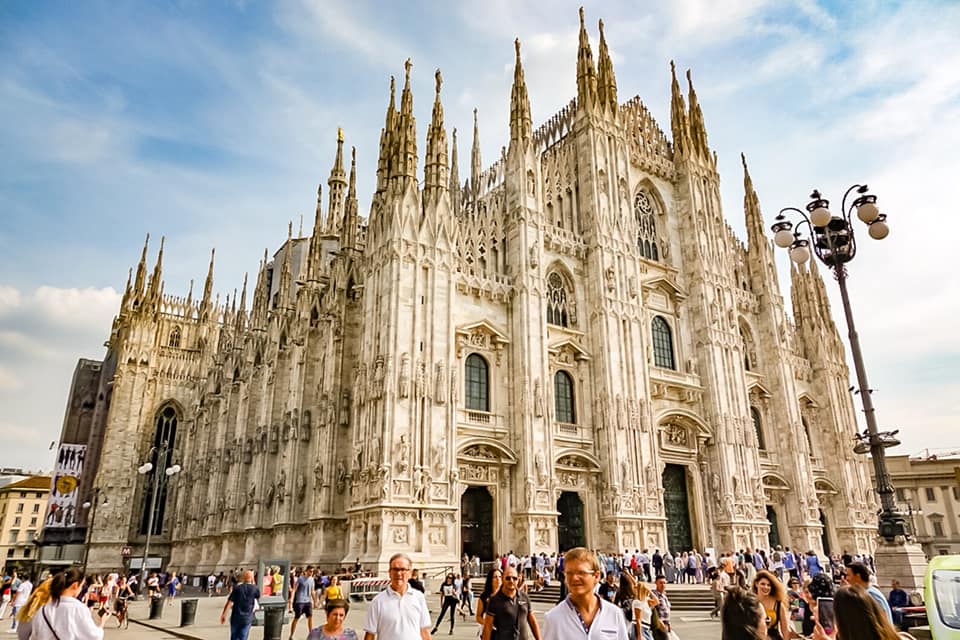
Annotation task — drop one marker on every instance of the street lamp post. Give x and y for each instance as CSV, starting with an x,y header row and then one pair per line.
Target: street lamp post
x,y
834,244
92,506
155,484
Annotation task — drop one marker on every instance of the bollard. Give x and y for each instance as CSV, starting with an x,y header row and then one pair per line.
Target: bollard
x,y
272,623
156,608
188,611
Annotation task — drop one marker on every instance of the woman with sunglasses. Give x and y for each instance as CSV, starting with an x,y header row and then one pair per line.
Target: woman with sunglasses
x,y
449,598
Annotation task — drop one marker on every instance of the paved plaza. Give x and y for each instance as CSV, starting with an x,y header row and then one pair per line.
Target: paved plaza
x,y
692,626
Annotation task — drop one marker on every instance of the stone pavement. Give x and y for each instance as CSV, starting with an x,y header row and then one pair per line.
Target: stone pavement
x,y
207,627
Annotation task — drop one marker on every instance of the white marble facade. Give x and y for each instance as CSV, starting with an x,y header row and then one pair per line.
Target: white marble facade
x,y
333,420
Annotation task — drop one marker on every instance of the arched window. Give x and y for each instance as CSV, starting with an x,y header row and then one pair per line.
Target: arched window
x,y
558,303
175,335
662,343
758,428
164,440
477,377
563,394
646,226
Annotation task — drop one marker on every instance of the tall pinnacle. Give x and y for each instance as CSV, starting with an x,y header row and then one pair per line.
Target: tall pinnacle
x,y
454,175
337,183
404,164
155,287
286,275
241,317
386,139
140,281
348,232
435,165
207,287
698,131
751,209
475,166
678,117
606,80
521,125
586,73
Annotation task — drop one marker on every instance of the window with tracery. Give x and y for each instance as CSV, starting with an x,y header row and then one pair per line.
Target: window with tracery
x,y
165,433
175,335
662,343
558,303
563,398
758,428
645,214
477,381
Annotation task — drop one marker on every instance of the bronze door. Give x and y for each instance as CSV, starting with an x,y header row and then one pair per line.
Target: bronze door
x,y
570,532
773,538
476,523
679,536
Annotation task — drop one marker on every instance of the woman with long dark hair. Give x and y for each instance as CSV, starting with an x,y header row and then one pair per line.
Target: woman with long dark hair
x,y
64,617
449,598
742,616
858,617
490,586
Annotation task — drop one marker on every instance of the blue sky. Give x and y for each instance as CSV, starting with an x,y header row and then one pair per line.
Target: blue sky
x,y
212,123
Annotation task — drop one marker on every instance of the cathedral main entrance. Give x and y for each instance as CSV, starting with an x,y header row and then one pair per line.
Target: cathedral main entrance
x,y
677,508
476,523
570,532
773,538
824,534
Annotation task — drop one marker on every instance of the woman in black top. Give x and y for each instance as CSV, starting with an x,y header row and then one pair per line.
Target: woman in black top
x,y
449,598
490,587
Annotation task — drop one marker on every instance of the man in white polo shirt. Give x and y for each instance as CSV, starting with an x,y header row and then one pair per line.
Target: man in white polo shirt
x,y
398,612
583,614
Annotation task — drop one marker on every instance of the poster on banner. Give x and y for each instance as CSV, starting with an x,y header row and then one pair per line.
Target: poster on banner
x,y
64,494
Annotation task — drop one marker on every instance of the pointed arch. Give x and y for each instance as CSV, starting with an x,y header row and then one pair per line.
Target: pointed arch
x,y
749,346
662,338
560,296
176,335
758,428
647,206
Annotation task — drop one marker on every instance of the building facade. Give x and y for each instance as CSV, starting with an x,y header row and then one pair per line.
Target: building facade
x,y
571,346
22,509
928,491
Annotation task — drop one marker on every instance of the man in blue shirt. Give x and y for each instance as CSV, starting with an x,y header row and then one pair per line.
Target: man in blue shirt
x,y
859,576
898,599
789,563
243,600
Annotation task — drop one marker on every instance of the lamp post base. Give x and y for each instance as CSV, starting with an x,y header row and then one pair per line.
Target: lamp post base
x,y
903,561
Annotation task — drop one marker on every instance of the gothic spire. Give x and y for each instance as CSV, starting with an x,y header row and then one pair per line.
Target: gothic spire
x,y
751,210
404,164
242,310
606,80
140,281
678,117
475,166
128,290
286,275
348,234
521,126
454,176
313,254
435,165
337,183
189,303
586,73
698,131
154,287
386,139
207,288
258,314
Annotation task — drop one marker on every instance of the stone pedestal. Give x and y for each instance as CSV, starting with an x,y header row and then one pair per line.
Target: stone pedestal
x,y
903,561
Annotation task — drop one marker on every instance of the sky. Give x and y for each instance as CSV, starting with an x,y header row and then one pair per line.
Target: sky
x,y
212,123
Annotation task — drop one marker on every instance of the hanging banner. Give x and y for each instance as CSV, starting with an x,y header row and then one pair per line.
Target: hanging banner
x,y
64,498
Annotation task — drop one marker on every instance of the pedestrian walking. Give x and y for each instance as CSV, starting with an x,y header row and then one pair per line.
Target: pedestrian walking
x,y
242,602
399,612
449,597
509,611
302,600
64,616
334,628
583,614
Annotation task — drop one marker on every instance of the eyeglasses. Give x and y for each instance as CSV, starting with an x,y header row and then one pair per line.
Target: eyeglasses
x,y
511,578
399,569
579,574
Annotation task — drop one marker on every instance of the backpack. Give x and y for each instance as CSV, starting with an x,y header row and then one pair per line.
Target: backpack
x,y
627,607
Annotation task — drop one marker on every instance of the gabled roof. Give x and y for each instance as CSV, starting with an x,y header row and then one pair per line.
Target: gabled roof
x,y
33,483
666,282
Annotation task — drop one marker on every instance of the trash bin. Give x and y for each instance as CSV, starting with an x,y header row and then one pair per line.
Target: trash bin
x,y
188,611
156,608
272,623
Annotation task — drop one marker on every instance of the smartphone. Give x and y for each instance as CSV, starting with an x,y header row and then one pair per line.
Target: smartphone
x,y
102,612
825,614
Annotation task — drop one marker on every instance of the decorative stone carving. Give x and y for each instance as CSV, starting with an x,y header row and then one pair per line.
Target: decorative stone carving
x,y
474,473
403,455
301,488
403,384
318,475
537,399
481,452
540,463
677,435
341,476
440,382
440,457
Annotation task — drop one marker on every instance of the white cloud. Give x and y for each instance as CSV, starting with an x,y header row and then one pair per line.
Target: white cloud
x,y
89,308
9,381
9,298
